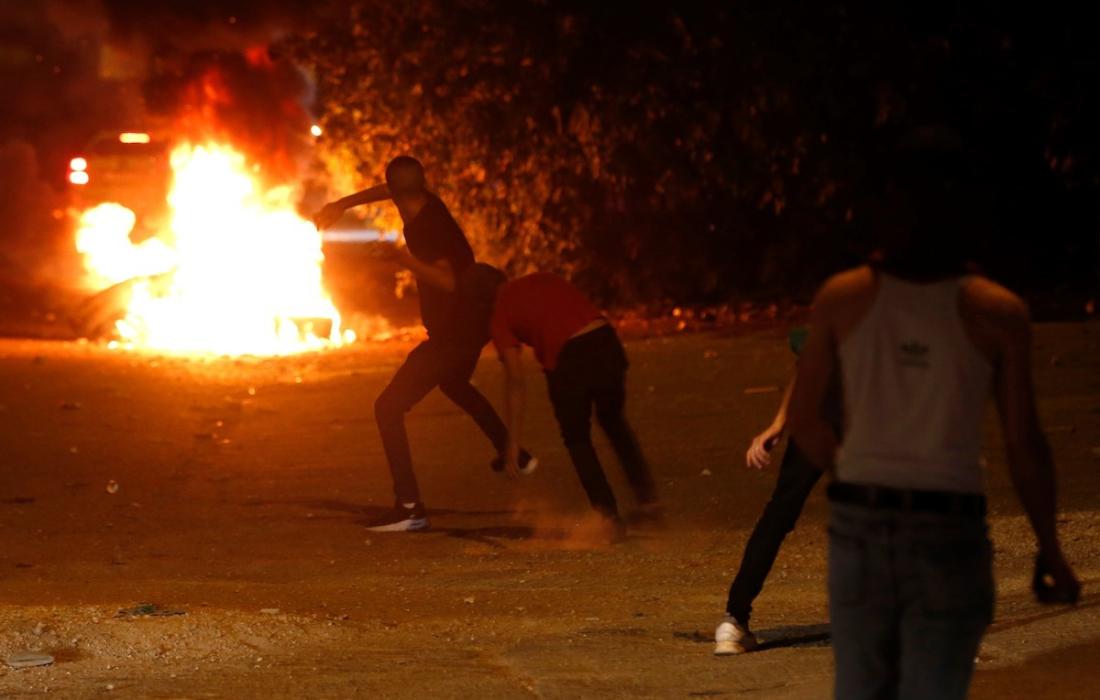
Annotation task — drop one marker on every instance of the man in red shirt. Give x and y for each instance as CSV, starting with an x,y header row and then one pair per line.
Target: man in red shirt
x,y
585,367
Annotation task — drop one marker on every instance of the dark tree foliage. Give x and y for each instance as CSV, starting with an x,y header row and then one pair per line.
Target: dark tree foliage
x,y
702,151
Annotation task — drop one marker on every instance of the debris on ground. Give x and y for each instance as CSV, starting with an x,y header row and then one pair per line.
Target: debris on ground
x,y
148,610
28,659
112,487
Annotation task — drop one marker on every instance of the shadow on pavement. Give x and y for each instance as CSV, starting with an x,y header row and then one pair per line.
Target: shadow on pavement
x,y
775,637
794,636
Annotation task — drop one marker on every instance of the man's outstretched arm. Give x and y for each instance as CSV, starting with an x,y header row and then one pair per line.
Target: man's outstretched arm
x,y
815,437
1029,457
331,212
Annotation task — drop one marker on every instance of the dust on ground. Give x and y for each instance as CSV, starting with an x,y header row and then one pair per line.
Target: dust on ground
x,y
241,487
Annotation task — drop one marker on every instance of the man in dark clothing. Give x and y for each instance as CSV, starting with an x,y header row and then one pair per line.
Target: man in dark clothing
x,y
437,255
797,478
585,368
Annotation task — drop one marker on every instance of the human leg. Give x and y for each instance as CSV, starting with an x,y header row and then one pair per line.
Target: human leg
x,y
863,604
572,403
420,373
797,478
457,387
948,604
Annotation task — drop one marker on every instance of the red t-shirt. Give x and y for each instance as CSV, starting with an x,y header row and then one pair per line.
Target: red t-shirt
x,y
540,310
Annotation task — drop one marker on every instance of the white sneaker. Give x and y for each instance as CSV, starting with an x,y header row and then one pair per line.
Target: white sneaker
x,y
403,518
528,463
732,637
528,468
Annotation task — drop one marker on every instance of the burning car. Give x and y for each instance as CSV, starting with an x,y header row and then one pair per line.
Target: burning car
x,y
225,263
127,167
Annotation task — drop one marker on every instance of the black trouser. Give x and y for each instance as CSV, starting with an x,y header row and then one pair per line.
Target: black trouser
x,y
797,477
591,371
432,363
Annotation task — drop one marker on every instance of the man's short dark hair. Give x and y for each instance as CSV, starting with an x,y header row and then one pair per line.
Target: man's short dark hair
x,y
405,176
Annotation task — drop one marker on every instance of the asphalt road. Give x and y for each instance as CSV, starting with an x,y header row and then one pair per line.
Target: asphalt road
x,y
243,487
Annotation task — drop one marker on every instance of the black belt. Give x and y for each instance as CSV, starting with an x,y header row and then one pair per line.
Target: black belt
x,y
945,502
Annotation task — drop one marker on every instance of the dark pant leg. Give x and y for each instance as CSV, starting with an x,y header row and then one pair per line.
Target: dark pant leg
x,y
947,593
797,477
571,396
610,399
456,386
422,372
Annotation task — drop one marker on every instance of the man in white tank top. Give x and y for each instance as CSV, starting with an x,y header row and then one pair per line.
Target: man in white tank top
x,y
920,346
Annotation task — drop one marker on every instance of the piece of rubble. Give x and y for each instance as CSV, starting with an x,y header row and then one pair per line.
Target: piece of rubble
x,y
28,659
148,610
112,487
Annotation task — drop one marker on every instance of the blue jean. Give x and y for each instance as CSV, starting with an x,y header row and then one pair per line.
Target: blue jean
x,y
910,596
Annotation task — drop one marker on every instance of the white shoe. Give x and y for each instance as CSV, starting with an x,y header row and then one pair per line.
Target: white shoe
x,y
403,518
732,637
528,463
529,466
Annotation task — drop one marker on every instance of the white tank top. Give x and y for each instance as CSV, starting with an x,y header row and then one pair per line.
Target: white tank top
x,y
915,390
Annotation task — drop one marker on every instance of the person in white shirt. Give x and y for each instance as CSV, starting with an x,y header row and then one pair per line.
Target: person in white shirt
x,y
920,344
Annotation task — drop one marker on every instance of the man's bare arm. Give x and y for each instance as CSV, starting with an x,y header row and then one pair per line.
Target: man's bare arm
x,y
1028,452
377,193
815,366
759,452
332,211
515,396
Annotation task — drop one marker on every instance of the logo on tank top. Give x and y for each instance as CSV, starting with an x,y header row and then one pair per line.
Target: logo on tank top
x,y
914,353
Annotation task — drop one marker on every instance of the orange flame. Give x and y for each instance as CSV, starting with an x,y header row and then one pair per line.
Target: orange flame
x,y
239,271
